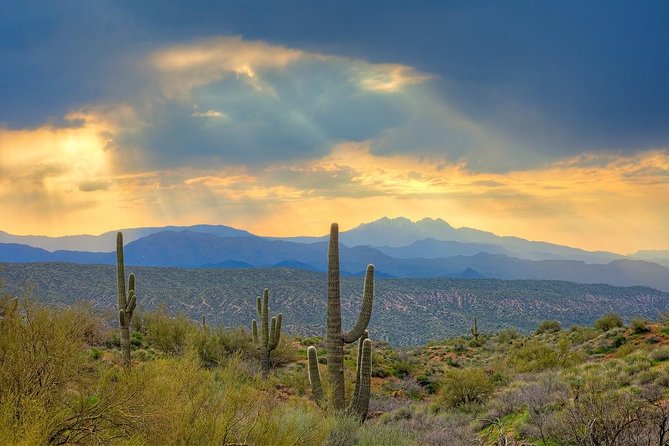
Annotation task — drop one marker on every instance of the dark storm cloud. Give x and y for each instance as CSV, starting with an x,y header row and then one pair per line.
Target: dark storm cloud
x,y
524,82
287,113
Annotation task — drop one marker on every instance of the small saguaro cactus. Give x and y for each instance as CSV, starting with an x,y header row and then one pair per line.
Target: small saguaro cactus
x,y
270,332
475,330
126,301
336,339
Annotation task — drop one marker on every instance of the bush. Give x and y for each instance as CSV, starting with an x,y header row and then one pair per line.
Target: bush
x,y
47,394
549,326
508,335
463,387
536,356
167,334
639,326
401,368
660,354
428,383
95,354
608,321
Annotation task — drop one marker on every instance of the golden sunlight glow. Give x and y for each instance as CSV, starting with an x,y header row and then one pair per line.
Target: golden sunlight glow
x,y
60,181
390,77
48,175
579,206
185,67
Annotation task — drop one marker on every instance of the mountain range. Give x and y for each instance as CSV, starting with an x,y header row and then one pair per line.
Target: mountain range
x,y
398,248
406,311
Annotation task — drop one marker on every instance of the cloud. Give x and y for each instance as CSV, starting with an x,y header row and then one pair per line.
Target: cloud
x,y
225,100
183,67
93,185
564,83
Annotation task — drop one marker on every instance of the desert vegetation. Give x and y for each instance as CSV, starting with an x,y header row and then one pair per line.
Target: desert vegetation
x,y
63,380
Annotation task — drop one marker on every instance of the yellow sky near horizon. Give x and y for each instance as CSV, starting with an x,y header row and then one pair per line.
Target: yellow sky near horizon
x,y
65,181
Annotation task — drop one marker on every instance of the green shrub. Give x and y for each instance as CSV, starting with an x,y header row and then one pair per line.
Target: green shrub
x,y
45,390
608,321
428,383
401,368
618,341
639,326
647,376
462,387
548,326
168,334
535,356
508,335
660,354
453,363
637,362
136,339
95,354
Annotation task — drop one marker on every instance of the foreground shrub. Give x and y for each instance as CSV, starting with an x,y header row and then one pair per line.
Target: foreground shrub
x,y
465,386
49,392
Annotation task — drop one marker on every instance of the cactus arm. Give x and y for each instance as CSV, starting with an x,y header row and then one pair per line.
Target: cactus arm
x,y
358,368
120,271
366,311
360,403
276,332
132,303
259,307
272,333
315,375
254,329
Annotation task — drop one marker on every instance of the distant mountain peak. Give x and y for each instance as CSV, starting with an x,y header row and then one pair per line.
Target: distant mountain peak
x,y
387,221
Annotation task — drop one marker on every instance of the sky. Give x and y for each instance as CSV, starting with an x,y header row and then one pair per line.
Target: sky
x,y
544,120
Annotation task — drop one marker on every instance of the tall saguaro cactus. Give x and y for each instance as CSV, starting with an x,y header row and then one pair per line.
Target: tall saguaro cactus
x,y
270,333
336,339
475,330
126,302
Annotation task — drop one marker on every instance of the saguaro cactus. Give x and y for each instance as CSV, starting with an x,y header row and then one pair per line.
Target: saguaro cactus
x,y
336,339
270,333
126,302
475,330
